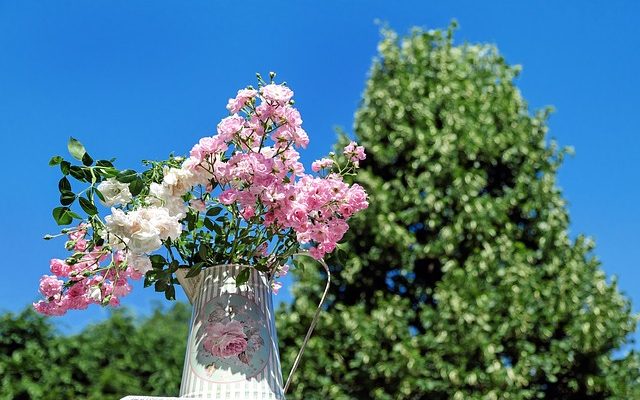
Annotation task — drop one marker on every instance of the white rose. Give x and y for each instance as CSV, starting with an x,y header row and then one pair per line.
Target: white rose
x,y
144,237
142,230
178,181
118,226
160,196
176,207
135,229
114,192
201,176
166,225
139,262
144,240
157,194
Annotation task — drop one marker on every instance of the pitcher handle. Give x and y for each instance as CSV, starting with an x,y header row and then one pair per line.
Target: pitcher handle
x,y
314,321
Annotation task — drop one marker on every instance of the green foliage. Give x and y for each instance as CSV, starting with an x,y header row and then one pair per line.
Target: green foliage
x,y
460,280
108,360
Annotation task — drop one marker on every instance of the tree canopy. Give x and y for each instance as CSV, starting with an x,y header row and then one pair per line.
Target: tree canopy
x,y
461,280
109,360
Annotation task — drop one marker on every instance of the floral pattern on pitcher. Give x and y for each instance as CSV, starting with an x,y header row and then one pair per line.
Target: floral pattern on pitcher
x,y
232,339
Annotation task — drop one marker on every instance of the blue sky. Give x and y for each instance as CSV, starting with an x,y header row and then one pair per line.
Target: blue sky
x,y
140,79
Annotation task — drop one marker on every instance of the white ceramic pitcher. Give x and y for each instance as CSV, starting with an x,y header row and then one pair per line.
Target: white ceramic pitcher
x,y
232,350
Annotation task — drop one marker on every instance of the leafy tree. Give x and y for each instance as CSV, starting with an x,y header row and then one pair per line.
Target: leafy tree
x,y
460,281
108,360
27,349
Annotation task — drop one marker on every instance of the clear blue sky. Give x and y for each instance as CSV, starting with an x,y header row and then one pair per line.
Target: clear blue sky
x,y
140,79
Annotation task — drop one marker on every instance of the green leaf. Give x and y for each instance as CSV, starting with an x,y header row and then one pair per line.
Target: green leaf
x,y
127,176
61,215
74,215
65,167
209,224
216,228
89,175
173,266
76,149
203,252
67,197
108,173
99,194
195,270
158,261
104,163
190,220
170,293
55,160
150,278
87,160
213,211
161,285
243,276
64,184
136,186
88,206
78,173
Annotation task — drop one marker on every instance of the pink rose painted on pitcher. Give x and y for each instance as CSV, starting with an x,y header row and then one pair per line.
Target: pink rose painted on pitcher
x,y
225,340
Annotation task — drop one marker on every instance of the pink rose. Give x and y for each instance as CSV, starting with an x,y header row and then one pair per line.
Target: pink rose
x,y
77,234
114,301
119,257
321,164
277,93
282,270
228,196
80,245
229,126
269,218
346,210
225,340
192,163
50,285
316,253
275,286
292,116
59,267
122,288
51,309
298,214
300,138
244,95
134,273
248,212
354,153
210,145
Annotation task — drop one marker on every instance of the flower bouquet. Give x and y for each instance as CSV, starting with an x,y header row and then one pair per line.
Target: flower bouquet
x,y
241,200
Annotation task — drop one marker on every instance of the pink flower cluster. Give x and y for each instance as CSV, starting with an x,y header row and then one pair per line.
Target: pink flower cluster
x,y
87,281
281,271
253,162
317,209
321,164
269,182
354,153
274,117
